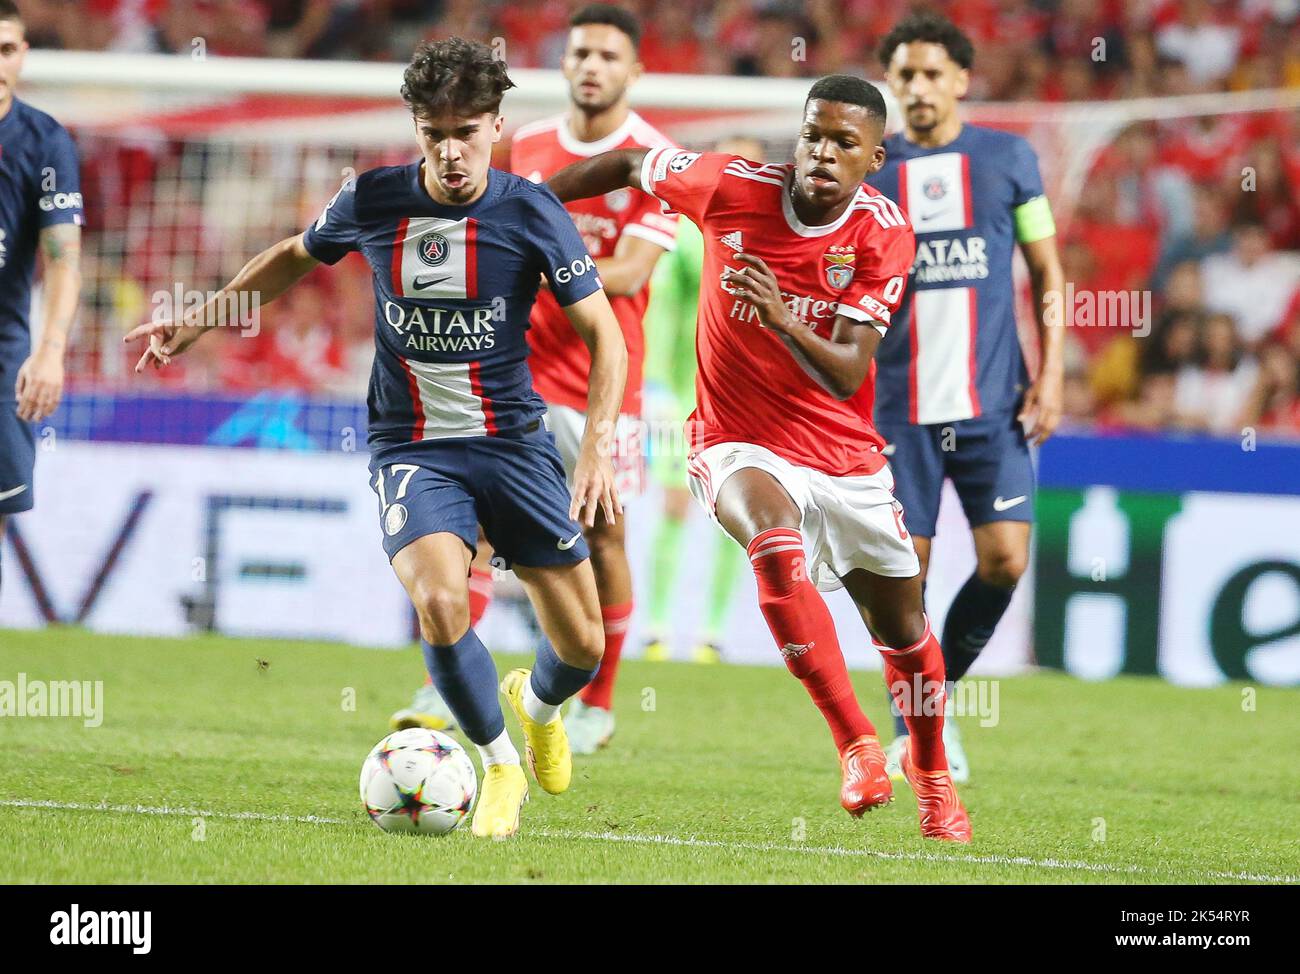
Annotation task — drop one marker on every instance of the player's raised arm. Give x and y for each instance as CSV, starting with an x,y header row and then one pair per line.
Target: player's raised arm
x,y
599,175
266,277
593,477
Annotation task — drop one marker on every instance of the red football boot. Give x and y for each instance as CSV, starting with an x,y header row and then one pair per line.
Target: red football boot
x,y
865,785
943,816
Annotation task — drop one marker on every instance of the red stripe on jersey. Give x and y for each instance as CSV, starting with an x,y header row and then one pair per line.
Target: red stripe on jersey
x,y
965,190
476,385
974,365
914,331
417,407
471,258
396,271
701,472
902,188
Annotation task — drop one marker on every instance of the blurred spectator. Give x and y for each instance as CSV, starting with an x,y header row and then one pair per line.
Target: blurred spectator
x,y
1249,282
1274,403
1269,193
1205,46
1211,393
1207,235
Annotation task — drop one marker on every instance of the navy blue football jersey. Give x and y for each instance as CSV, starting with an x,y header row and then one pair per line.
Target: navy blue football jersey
x,y
453,289
40,185
952,351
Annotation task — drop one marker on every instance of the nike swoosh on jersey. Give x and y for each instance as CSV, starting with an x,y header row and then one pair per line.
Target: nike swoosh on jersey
x,y
566,545
1000,505
6,494
423,283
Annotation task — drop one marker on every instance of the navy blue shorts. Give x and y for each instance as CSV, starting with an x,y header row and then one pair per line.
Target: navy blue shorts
x,y
17,460
987,459
513,486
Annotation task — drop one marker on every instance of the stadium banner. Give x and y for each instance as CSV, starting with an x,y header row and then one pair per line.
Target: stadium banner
x,y
1176,556
171,540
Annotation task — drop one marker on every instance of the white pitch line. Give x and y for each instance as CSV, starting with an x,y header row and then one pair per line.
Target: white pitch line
x,y
670,840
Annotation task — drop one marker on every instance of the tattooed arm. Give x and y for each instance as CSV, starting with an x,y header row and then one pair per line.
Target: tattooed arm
x,y
40,380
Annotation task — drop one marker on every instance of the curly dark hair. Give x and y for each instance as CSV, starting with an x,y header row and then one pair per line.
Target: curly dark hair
x,y
454,75
930,28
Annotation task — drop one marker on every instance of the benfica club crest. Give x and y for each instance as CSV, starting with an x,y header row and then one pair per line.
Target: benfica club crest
x,y
839,266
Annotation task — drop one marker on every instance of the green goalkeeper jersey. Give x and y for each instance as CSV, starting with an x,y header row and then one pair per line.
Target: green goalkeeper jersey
x,y
670,318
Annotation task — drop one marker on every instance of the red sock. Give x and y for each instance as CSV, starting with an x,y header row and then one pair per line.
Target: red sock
x,y
600,691
802,626
480,594
914,676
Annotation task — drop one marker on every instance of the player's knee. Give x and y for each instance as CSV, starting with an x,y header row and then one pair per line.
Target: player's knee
x,y
587,647
900,629
605,542
1003,567
443,613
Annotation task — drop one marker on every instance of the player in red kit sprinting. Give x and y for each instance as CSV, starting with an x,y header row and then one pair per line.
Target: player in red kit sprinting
x,y
626,231
803,268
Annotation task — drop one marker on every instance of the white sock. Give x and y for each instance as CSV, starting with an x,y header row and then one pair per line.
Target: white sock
x,y
537,708
498,751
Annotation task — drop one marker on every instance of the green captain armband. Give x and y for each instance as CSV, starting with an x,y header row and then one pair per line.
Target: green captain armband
x,y
1034,220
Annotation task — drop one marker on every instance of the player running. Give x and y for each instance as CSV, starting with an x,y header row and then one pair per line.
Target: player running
x,y
953,389
457,434
626,232
804,267
40,207
670,398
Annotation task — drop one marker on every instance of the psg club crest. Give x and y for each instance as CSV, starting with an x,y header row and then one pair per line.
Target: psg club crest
x,y
839,266
394,519
935,188
433,249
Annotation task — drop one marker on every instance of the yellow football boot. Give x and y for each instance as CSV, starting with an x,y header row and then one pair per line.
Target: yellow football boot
x,y
504,791
549,757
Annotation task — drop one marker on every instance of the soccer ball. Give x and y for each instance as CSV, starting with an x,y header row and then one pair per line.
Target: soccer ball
x,y
418,780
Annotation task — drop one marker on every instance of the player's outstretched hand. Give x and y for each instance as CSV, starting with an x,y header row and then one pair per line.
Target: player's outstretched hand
x,y
40,385
1044,403
757,285
165,339
593,487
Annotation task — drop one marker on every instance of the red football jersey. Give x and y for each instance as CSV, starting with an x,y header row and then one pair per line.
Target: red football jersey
x,y
560,360
749,387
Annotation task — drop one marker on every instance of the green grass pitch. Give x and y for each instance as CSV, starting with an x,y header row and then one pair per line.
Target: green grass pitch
x,y
210,768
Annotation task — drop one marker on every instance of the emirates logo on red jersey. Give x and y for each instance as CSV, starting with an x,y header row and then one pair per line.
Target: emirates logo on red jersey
x,y
839,266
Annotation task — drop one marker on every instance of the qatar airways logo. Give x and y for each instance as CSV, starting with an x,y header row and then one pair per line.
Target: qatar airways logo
x,y
950,259
442,329
805,308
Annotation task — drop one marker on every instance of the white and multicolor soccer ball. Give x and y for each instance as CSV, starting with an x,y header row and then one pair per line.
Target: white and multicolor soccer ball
x,y
418,780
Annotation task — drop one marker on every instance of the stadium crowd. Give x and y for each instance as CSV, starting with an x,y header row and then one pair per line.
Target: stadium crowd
x,y
1202,214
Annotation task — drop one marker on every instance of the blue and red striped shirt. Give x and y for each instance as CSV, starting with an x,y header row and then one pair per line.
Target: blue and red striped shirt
x,y
952,351
454,286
